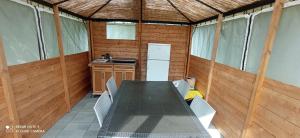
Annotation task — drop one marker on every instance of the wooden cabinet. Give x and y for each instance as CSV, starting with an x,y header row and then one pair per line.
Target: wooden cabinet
x,y
123,72
101,73
100,76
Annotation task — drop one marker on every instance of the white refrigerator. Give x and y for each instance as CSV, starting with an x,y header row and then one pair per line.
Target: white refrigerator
x,y
158,62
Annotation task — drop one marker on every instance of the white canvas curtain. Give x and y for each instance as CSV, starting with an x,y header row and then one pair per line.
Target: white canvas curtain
x,y
49,32
232,42
284,62
75,39
18,29
202,41
29,33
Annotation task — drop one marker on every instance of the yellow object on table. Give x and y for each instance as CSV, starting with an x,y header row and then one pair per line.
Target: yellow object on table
x,y
192,94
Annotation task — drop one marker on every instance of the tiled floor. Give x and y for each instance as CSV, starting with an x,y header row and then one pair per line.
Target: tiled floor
x,y
81,122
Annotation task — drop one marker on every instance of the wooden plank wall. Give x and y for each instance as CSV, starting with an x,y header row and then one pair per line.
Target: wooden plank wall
x,y
78,74
116,48
278,111
177,36
39,93
4,116
199,68
230,97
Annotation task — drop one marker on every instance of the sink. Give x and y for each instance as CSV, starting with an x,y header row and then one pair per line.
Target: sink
x,y
123,60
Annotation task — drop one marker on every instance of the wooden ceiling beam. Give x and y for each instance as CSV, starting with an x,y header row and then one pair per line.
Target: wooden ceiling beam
x,y
136,21
113,20
166,22
60,2
211,7
180,12
101,7
141,10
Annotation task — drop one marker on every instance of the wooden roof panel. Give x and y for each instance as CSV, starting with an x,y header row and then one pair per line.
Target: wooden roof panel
x,y
53,1
120,9
161,10
227,5
194,9
83,7
153,10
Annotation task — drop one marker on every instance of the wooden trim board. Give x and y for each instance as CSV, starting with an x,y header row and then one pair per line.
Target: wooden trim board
x,y
8,90
273,28
140,49
91,40
189,44
214,54
62,57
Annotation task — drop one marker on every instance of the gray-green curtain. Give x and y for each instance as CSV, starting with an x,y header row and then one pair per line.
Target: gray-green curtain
x,y
284,63
259,31
49,32
202,41
232,42
18,30
75,39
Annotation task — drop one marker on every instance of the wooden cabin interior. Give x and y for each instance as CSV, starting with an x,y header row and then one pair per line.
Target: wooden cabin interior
x,y
57,58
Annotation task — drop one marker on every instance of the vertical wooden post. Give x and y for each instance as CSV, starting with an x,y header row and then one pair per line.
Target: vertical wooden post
x,y
214,54
140,49
140,39
8,90
91,40
269,42
62,57
189,44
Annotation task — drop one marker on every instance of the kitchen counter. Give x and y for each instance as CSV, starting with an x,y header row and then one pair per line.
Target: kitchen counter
x,y
102,70
112,61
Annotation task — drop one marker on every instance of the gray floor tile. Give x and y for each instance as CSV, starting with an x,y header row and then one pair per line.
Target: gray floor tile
x,y
81,122
80,105
89,107
68,117
71,134
77,126
51,133
94,127
91,134
85,117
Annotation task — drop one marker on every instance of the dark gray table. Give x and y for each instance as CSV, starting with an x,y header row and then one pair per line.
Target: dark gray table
x,y
150,109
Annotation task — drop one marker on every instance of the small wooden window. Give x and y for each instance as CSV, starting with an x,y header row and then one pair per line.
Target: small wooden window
x,y
123,31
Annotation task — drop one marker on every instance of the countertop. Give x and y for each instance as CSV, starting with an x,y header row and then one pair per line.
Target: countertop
x,y
110,62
